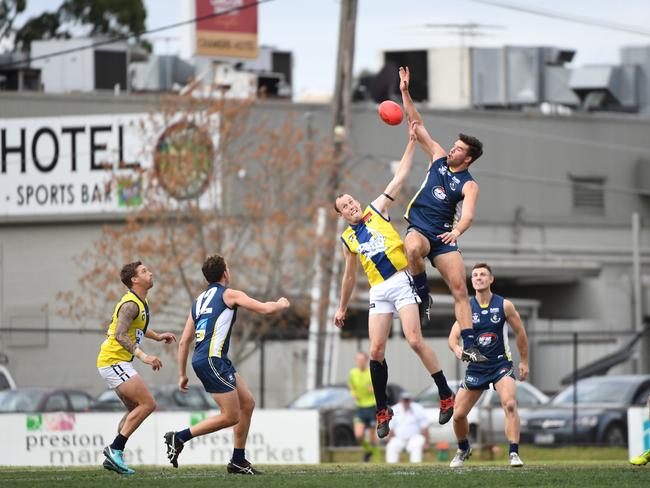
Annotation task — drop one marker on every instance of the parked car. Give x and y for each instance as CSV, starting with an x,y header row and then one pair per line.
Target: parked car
x,y
602,403
337,411
486,414
6,380
44,400
168,397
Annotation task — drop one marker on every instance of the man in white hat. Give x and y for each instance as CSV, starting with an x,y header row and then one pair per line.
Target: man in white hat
x,y
409,429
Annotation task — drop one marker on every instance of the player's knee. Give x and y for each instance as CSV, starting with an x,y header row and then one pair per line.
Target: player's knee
x,y
231,418
413,253
459,415
416,343
459,290
377,351
149,405
248,405
510,406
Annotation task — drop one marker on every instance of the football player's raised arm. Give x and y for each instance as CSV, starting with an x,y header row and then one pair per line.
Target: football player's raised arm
x,y
184,349
237,298
429,146
521,338
383,201
347,285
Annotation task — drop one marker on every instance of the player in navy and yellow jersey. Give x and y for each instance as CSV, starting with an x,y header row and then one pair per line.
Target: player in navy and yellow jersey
x,y
130,324
209,325
442,210
372,237
491,316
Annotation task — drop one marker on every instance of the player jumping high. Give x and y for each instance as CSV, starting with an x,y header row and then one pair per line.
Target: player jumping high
x,y
381,252
433,220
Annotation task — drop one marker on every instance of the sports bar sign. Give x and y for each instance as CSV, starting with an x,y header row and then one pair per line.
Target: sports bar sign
x,y
230,29
92,164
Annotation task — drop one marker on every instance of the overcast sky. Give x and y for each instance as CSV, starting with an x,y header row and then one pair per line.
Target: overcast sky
x,y
308,28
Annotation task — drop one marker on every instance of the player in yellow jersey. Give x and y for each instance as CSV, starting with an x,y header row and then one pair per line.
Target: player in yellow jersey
x,y
360,385
129,325
372,237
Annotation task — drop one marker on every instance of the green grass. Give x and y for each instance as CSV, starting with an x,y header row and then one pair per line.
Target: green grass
x,y
476,474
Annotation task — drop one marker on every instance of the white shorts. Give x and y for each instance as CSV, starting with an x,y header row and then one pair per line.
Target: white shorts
x,y
391,295
116,374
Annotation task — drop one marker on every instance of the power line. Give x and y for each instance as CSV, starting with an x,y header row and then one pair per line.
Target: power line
x,y
125,37
630,29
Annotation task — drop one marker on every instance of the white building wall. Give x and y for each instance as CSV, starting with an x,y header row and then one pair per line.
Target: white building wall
x,y
450,78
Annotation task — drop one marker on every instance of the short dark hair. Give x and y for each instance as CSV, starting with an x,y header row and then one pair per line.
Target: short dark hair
x,y
213,268
335,200
475,146
128,273
482,265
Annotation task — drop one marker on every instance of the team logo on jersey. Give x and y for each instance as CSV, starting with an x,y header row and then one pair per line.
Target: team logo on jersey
x,y
439,193
376,245
495,318
475,318
452,185
487,339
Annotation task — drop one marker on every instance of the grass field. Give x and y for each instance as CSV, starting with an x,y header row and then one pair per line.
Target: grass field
x,y
479,474
567,467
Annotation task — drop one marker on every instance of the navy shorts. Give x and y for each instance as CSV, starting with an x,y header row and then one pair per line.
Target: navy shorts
x,y
366,416
436,246
216,374
481,378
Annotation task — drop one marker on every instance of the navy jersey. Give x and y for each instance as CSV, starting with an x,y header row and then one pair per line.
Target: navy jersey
x,y
436,206
213,321
491,331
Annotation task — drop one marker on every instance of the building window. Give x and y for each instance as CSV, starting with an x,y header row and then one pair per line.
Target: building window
x,y
588,194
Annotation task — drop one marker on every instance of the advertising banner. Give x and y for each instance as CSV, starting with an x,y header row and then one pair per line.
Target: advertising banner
x,y
232,34
638,431
77,439
94,163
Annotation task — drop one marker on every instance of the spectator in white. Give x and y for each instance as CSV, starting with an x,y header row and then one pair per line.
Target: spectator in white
x,y
409,429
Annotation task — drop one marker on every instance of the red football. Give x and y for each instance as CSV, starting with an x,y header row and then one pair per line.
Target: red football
x,y
390,112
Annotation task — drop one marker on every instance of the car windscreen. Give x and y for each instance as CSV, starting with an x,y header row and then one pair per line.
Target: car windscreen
x,y
601,391
19,401
324,398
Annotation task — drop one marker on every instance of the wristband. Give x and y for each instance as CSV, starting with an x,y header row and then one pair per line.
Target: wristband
x,y
389,197
140,354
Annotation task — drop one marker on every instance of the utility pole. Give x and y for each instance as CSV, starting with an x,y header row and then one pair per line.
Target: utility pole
x,y
340,126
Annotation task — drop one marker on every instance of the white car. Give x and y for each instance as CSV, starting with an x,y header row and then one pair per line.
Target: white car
x,y
486,419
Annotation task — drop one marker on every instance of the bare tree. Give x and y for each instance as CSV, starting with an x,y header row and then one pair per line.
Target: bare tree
x,y
226,179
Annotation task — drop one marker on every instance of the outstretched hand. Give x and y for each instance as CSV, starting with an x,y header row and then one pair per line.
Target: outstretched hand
x,y
404,78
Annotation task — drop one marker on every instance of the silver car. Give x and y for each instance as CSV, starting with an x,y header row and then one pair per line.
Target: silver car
x,y
486,419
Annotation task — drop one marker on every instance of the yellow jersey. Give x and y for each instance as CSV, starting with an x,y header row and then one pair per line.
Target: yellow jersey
x,y
111,351
360,384
378,245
